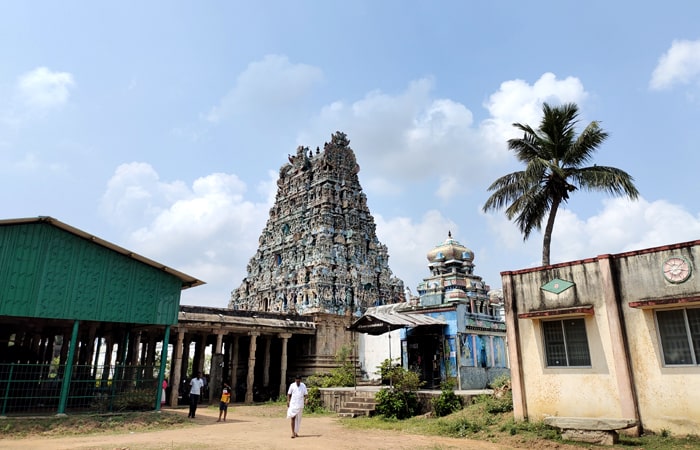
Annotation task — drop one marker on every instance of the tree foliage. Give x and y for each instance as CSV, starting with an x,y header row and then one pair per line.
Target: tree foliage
x,y
555,159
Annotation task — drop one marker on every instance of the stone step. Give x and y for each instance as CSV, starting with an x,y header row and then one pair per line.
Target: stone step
x,y
362,398
360,404
355,412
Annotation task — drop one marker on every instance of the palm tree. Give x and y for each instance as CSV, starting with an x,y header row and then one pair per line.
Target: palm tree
x,y
554,158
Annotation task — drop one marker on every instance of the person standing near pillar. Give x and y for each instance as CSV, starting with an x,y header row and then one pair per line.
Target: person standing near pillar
x,y
296,399
196,385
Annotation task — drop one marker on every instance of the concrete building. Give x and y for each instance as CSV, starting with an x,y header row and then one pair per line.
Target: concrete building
x,y
615,336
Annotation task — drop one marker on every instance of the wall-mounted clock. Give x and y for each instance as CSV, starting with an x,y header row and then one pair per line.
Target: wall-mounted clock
x,y
676,269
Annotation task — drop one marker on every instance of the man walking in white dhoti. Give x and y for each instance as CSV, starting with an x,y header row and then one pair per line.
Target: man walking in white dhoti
x,y
296,399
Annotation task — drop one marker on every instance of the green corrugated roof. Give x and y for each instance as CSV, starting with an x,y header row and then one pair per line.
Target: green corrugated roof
x,y
52,270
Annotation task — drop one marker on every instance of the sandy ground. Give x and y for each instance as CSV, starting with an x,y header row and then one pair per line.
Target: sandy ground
x,y
247,431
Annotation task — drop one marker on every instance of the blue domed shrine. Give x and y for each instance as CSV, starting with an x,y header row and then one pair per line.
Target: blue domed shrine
x,y
454,329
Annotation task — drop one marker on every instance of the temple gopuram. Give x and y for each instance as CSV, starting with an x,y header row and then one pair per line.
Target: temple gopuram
x,y
319,251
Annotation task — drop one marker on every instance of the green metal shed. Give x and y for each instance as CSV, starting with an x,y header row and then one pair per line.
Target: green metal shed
x,y
55,277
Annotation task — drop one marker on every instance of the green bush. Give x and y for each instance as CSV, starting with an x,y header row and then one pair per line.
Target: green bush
x,y
448,402
399,401
314,403
395,404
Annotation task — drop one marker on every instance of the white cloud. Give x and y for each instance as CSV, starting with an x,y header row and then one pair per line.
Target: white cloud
x,y
268,85
41,89
518,101
34,95
412,137
397,136
622,225
208,230
381,186
135,193
449,187
410,241
679,65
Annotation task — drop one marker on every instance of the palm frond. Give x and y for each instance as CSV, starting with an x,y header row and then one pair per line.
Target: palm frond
x,y
583,148
611,180
530,210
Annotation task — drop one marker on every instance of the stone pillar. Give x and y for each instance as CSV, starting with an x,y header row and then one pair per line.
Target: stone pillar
x,y
109,347
201,352
135,349
48,352
283,364
40,349
266,362
144,349
185,358
176,368
251,366
36,346
98,347
216,373
151,352
234,367
64,347
219,341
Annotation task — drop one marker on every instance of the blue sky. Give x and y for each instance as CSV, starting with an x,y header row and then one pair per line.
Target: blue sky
x,y
161,126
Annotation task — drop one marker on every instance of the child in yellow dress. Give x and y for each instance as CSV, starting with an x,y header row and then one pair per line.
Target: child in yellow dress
x,y
225,400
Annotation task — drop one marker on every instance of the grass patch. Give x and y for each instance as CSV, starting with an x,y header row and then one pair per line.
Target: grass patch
x,y
476,421
20,427
660,441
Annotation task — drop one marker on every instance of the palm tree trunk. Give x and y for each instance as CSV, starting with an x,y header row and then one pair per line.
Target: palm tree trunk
x,y
547,239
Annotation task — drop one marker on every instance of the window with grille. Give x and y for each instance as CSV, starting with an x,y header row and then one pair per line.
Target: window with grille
x,y
566,343
679,330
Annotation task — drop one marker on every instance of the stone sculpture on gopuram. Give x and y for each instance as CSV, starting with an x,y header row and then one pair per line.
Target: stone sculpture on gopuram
x,y
319,251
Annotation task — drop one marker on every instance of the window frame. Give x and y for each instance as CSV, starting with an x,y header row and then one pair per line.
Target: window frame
x,y
566,342
693,352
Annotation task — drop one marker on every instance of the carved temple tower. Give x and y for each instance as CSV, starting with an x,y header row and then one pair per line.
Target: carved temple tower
x,y
319,253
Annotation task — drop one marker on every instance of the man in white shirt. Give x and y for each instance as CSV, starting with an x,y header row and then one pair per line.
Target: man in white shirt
x,y
296,398
196,385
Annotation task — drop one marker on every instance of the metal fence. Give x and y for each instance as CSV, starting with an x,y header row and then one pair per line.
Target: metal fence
x,y
31,389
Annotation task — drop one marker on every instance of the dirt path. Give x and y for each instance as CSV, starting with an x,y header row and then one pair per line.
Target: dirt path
x,y
247,431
